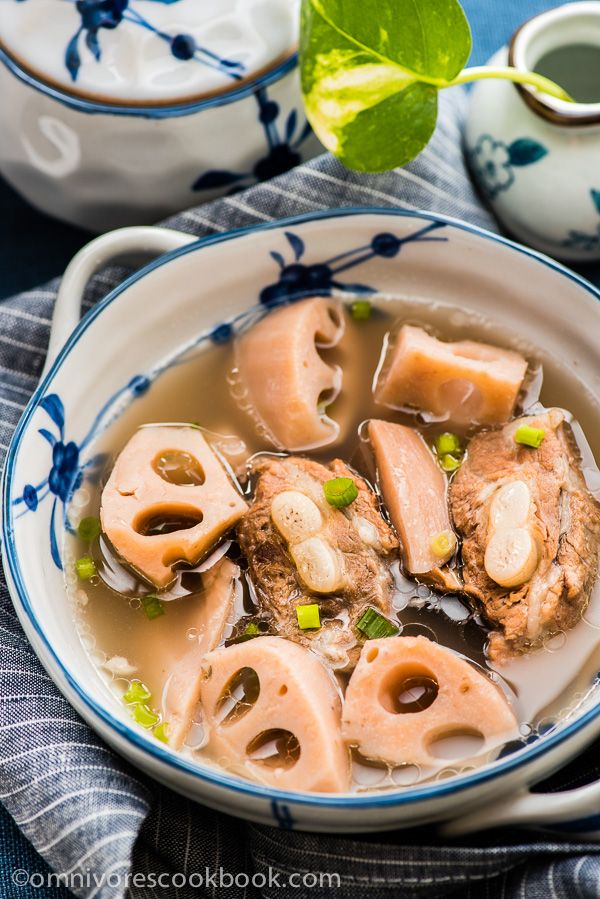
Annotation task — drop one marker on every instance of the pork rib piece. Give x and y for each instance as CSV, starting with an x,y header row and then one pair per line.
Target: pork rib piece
x,y
302,550
530,529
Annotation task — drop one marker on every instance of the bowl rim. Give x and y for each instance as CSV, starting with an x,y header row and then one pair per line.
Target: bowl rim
x,y
165,110
152,749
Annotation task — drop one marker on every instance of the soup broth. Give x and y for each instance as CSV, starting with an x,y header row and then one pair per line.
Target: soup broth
x,y
204,387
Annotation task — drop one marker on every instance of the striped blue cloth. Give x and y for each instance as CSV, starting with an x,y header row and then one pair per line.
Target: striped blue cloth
x,y
92,817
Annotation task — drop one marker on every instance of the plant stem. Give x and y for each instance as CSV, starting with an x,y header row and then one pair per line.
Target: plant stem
x,y
511,74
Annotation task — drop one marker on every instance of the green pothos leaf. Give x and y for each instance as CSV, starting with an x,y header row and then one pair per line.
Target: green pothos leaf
x,y
371,71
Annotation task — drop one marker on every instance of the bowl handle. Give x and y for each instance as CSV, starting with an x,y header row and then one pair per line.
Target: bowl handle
x,y
141,241
569,812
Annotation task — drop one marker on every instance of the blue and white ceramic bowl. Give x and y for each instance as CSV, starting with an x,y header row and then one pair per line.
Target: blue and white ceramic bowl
x,y
120,112
199,292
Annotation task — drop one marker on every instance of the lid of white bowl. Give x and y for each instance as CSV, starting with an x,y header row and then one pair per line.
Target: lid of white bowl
x,y
148,51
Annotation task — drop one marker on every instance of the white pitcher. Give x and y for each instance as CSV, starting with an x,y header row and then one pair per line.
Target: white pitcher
x,y
535,158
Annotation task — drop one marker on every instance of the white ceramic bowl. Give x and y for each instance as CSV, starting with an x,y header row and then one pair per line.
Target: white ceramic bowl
x,y
199,292
84,139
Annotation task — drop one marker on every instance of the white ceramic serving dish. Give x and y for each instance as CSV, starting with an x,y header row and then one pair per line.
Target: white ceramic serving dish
x,y
199,292
119,113
536,158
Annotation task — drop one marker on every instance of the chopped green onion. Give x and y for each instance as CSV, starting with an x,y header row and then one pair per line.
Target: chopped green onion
x,y
144,715
361,310
374,625
308,616
85,568
162,732
340,492
89,528
528,436
447,443
153,607
450,463
138,692
251,631
443,545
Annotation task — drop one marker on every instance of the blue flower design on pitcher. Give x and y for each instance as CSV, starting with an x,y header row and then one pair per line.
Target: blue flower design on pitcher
x,y
67,471
582,240
494,162
109,14
282,151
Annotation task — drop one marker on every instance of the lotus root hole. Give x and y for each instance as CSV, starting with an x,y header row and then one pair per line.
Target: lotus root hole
x,y
238,696
167,520
179,467
456,743
274,748
408,689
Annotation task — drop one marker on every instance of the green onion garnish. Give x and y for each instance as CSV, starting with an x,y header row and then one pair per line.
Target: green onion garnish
x,y
443,545
374,625
361,310
89,528
340,492
308,616
528,436
447,443
251,631
153,607
450,463
162,732
85,568
138,692
144,715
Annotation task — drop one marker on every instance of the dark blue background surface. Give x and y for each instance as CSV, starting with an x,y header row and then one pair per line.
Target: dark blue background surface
x,y
34,248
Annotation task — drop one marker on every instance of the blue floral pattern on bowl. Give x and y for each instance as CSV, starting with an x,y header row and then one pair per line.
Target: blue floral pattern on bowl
x,y
297,280
108,14
582,240
494,162
67,471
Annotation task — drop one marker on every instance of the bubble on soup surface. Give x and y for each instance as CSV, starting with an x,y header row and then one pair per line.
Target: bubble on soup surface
x,y
406,775
555,642
80,498
457,744
368,772
454,608
119,666
416,629
197,736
